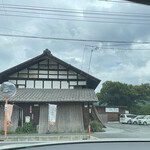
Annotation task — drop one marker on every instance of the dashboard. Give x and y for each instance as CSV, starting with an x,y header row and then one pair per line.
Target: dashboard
x,y
95,146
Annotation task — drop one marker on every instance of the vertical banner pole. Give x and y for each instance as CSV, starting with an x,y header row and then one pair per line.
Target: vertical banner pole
x,y
6,118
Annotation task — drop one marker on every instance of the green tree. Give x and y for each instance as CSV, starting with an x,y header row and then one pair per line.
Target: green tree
x,y
143,91
117,94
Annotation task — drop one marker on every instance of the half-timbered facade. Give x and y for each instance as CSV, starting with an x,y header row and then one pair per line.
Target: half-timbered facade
x,y
45,80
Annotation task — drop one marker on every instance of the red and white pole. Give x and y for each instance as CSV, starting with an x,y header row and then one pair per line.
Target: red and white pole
x,y
89,130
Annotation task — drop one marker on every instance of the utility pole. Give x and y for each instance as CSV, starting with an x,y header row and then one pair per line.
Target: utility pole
x,y
94,49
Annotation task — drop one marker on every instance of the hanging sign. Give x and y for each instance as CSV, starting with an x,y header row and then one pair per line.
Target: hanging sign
x,y
8,90
9,114
52,114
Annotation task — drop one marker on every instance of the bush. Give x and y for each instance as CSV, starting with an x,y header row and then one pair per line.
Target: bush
x,y
27,128
19,130
96,126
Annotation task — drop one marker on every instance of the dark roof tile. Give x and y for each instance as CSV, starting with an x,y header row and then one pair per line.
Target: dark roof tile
x,y
53,95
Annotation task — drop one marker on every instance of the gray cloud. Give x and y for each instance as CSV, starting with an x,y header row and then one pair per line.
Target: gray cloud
x,y
116,65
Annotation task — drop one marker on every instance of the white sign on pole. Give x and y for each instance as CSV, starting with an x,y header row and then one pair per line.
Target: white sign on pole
x,y
9,114
126,111
52,114
111,109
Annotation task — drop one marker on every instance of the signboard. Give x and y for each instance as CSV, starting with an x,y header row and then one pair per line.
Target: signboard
x,y
111,109
52,114
126,111
9,110
27,119
8,89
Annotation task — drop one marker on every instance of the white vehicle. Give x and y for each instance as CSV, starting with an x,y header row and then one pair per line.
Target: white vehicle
x,y
125,118
145,120
135,120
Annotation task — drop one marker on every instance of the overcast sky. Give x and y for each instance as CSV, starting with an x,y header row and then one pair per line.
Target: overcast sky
x,y
127,66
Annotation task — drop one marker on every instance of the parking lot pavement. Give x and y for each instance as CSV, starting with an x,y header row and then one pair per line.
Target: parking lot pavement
x,y
117,130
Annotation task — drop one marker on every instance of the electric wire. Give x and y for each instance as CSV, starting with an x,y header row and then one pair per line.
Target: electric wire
x,y
75,11
71,39
79,20
78,10
51,14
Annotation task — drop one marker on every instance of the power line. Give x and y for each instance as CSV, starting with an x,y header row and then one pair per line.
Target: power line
x,y
79,20
77,16
78,10
69,39
62,10
119,48
125,49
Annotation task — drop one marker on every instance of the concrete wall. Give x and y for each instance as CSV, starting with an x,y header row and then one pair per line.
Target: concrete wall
x,y
69,118
15,116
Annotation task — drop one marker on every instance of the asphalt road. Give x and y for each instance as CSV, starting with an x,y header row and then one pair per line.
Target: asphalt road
x,y
113,131
117,130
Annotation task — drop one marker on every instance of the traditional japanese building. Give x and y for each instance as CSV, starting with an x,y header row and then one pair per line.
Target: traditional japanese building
x,y
45,80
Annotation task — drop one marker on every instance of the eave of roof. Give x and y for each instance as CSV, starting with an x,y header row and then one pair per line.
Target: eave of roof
x,y
52,95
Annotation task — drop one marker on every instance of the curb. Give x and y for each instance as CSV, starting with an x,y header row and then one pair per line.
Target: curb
x,y
45,138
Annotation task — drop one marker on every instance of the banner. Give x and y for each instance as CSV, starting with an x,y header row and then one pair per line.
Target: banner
x,y
111,109
52,114
9,110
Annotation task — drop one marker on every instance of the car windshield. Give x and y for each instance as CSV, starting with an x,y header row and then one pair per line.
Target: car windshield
x,y
146,117
140,117
74,70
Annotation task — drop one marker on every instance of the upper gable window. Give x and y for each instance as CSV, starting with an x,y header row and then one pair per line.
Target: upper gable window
x,y
13,75
33,71
63,72
52,62
44,62
34,66
72,72
80,77
23,71
43,66
61,67
52,66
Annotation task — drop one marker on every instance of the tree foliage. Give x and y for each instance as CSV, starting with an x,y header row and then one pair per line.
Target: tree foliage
x,y
121,94
138,110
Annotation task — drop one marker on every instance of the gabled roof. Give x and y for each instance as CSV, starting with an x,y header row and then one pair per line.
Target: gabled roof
x,y
92,82
52,95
